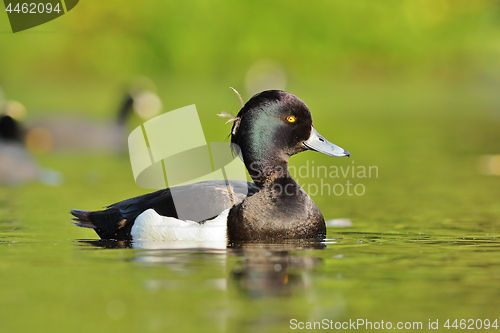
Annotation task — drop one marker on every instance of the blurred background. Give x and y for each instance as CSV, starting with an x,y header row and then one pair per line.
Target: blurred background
x,y
411,87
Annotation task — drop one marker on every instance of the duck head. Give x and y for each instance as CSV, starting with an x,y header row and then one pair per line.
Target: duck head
x,y
9,129
272,126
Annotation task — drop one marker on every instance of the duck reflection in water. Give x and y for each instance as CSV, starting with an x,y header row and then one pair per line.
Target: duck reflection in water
x,y
265,269
270,270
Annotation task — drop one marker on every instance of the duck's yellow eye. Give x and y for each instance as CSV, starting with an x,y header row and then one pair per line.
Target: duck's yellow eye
x,y
290,119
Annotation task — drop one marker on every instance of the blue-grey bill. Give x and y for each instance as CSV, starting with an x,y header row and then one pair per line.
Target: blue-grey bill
x,y
318,143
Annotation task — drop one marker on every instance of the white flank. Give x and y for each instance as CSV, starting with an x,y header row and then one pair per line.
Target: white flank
x,y
150,226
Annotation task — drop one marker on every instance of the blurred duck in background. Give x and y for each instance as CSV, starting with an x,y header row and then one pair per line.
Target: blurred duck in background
x,y
81,134
70,134
17,165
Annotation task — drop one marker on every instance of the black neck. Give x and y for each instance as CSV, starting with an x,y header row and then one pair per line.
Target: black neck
x,y
266,173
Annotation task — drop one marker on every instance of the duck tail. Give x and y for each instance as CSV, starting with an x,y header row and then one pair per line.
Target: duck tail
x,y
81,218
108,223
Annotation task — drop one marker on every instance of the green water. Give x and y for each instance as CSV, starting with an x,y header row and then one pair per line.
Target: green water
x,y
423,245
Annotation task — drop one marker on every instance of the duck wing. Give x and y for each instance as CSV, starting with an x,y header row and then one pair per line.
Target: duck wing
x,y
196,202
